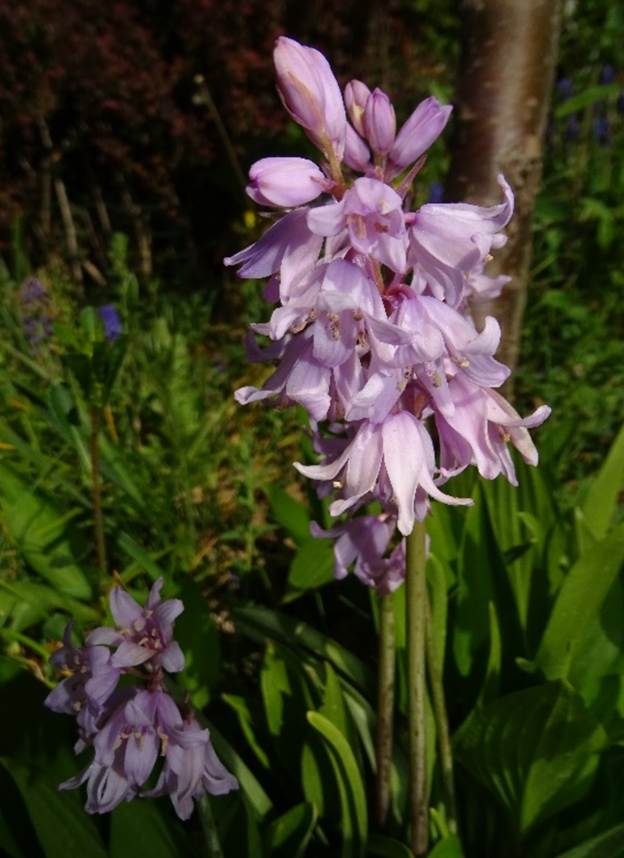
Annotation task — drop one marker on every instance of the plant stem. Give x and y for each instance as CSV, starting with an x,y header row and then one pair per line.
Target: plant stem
x,y
436,671
211,835
96,492
416,620
385,706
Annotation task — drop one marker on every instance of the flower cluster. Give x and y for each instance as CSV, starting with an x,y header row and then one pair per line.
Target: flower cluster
x,y
35,312
372,331
129,726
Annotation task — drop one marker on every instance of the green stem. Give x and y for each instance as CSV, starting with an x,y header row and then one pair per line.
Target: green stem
x,y
96,493
436,675
211,835
385,706
416,620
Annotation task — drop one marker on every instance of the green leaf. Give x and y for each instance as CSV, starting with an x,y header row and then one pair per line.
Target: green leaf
x,y
387,847
141,556
290,513
580,597
601,500
245,720
140,822
589,96
536,749
350,784
289,834
609,844
260,623
255,795
450,847
43,535
25,602
312,567
62,826
275,686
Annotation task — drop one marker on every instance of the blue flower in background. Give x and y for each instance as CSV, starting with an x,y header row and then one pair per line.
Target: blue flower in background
x,y
572,128
601,130
35,311
565,88
436,192
607,74
111,321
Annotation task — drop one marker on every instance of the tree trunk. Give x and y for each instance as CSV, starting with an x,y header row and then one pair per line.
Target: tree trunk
x,y
503,95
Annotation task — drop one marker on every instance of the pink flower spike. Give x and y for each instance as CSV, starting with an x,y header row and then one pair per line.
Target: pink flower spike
x,y
311,94
356,95
423,128
286,182
380,122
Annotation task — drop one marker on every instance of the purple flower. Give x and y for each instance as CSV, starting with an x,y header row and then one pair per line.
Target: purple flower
x,y
572,128
607,74
422,129
33,291
89,680
111,321
380,122
601,130
145,634
311,94
285,182
373,215
376,456
565,88
436,192
191,769
364,541
287,247
357,153
356,95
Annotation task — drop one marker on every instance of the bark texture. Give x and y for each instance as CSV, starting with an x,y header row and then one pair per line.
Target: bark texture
x,y
505,81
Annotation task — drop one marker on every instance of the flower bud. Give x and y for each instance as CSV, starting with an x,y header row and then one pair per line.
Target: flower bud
x,y
423,127
310,93
380,122
356,95
357,154
285,182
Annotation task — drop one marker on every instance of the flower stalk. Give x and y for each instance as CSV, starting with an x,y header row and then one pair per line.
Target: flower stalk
x,y
416,621
385,707
435,670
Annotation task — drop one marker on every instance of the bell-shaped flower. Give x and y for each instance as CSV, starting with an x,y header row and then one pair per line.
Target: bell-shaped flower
x,y
286,182
89,680
356,96
145,634
402,448
191,769
379,122
458,236
287,247
478,430
357,153
311,94
372,212
422,129
127,748
363,541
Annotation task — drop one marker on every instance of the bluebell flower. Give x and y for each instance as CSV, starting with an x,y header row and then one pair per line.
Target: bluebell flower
x,y
607,74
113,327
572,128
601,130
436,192
565,88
